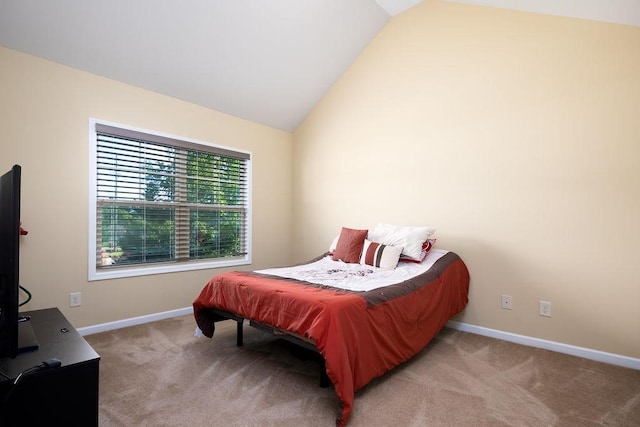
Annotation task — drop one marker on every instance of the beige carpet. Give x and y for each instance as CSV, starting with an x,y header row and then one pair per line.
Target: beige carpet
x,y
159,374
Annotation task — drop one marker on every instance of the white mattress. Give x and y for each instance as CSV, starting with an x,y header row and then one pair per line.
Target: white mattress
x,y
355,277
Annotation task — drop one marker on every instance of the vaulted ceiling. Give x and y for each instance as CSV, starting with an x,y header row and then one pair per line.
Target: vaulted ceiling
x,y
267,61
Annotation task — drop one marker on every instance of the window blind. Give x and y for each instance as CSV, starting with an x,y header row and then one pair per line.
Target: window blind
x,y
164,200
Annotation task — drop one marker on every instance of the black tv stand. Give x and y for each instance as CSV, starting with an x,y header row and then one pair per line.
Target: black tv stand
x,y
27,340
59,395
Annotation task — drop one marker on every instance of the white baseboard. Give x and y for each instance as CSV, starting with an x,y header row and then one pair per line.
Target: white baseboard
x,y
103,327
587,353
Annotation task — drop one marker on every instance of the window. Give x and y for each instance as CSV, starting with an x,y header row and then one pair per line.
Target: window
x,y
160,203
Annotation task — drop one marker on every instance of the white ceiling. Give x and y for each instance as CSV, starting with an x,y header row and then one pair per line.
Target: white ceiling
x,y
267,61
625,12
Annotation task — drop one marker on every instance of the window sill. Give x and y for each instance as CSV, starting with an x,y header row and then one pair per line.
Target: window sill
x,y
174,267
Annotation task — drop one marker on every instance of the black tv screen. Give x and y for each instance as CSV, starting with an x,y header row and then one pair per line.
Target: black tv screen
x,y
9,260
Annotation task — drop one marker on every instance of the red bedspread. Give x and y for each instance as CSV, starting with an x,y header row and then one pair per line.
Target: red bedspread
x,y
360,335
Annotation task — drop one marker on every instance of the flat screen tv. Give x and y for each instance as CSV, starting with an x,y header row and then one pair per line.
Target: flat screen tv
x,y
9,260
16,333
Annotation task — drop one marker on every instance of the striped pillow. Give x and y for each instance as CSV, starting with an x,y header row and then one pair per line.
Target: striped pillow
x,y
379,255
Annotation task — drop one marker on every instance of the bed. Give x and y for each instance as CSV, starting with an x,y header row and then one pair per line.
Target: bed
x,y
362,318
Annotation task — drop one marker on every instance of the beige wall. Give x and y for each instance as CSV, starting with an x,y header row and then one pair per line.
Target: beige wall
x,y
518,137
44,127
515,135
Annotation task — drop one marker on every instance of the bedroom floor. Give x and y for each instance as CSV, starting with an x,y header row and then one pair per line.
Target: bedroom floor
x,y
160,374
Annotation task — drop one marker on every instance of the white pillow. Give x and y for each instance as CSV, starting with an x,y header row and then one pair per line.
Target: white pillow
x,y
380,255
409,238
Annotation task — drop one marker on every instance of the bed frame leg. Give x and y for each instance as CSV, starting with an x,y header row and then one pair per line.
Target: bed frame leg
x,y
324,378
239,336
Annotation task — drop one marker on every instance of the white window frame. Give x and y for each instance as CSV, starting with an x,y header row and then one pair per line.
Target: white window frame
x,y
143,270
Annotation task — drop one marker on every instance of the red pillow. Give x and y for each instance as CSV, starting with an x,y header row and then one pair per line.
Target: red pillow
x,y
350,243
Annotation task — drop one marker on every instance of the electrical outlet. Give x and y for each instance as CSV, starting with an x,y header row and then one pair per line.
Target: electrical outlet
x,y
74,299
506,302
545,308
